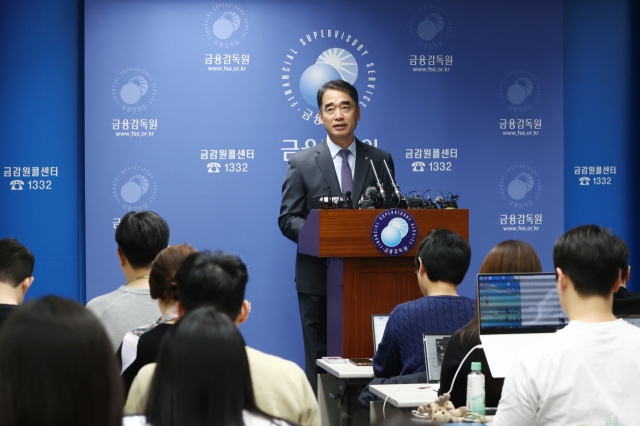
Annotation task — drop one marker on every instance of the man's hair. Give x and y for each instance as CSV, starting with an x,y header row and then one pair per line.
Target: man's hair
x,y
16,262
141,235
591,257
340,85
215,279
445,256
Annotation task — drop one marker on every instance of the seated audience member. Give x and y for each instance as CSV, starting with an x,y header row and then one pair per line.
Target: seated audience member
x,y
509,256
202,376
218,279
140,237
625,302
16,275
589,370
140,346
57,368
441,263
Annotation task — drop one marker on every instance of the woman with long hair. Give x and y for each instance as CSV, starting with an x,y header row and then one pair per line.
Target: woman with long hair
x,y
202,376
57,368
511,256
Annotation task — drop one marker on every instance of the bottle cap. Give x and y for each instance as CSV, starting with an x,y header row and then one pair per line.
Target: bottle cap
x,y
476,366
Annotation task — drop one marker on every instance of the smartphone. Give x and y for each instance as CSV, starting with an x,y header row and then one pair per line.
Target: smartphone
x,y
361,362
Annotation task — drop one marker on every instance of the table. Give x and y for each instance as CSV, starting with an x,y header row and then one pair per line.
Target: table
x,y
338,393
403,397
406,395
346,370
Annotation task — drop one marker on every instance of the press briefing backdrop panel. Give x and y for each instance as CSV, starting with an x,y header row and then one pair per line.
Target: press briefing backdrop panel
x,y
193,108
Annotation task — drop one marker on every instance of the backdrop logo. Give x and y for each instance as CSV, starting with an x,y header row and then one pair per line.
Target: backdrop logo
x,y
321,56
134,188
134,90
394,232
430,26
519,90
520,185
226,24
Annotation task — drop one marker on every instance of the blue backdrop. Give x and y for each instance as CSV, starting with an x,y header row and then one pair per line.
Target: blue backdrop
x,y
42,125
193,108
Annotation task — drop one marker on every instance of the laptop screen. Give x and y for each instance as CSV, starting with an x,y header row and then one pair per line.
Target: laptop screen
x,y
434,347
519,303
379,323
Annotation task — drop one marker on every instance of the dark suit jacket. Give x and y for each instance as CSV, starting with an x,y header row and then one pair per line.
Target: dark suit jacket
x,y
309,172
626,302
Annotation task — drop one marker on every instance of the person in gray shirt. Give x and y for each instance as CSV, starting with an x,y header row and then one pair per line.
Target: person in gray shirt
x,y
141,235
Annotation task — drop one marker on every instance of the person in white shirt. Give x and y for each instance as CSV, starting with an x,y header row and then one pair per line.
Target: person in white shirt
x,y
586,373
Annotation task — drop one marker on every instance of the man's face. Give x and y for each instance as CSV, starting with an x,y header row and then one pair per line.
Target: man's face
x,y
340,116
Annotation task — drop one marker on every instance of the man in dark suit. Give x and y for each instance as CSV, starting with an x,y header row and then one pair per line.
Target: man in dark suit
x,y
340,162
625,302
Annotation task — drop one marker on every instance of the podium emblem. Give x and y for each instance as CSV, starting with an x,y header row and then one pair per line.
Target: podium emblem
x,y
394,232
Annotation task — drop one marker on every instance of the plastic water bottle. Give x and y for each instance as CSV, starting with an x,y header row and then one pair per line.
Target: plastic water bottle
x,y
612,420
475,389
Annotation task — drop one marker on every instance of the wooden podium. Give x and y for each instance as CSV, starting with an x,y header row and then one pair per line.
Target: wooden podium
x,y
361,280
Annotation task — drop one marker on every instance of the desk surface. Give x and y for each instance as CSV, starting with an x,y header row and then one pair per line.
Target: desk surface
x,y
406,396
346,370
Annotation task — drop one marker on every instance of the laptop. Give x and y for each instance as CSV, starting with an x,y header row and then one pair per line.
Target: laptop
x,y
516,311
379,323
434,347
632,319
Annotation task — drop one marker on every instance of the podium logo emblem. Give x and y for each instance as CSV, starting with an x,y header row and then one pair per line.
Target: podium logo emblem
x,y
394,232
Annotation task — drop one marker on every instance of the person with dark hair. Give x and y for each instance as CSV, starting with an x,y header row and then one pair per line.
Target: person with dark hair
x,y
219,280
140,236
442,261
140,345
625,302
57,368
16,275
511,256
202,376
340,165
586,372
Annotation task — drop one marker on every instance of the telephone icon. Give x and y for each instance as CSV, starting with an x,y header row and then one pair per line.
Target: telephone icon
x,y
418,166
213,167
584,180
16,185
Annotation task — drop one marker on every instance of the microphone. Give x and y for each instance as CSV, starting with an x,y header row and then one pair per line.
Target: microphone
x,y
381,190
370,199
396,188
325,202
402,201
346,203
